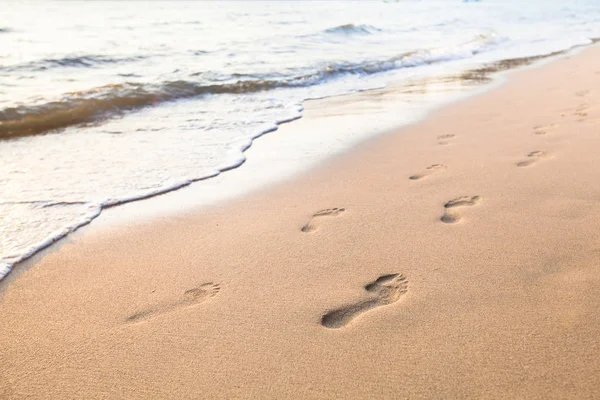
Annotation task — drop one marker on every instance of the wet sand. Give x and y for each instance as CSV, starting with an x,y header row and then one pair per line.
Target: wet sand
x,y
458,257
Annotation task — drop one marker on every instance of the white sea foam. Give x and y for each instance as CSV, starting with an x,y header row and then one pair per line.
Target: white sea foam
x,y
94,210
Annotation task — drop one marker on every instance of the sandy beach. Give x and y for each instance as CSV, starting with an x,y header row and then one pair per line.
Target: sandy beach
x,y
455,258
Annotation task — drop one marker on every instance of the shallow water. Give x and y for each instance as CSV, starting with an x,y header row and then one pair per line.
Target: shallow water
x,y
102,102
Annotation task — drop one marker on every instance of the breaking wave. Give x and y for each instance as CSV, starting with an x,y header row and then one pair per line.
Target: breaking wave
x,y
108,101
86,61
349,29
113,100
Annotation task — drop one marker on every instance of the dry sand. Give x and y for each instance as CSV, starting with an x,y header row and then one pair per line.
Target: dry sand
x,y
456,258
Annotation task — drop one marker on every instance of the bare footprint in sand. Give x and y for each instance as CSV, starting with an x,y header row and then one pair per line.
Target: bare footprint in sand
x,y
190,298
582,110
428,171
544,129
444,139
314,222
386,289
532,158
450,216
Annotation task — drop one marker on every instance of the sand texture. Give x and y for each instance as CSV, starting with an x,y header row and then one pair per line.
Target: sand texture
x,y
455,258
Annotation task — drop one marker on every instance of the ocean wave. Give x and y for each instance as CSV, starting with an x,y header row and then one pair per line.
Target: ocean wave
x,y
414,58
349,29
85,61
113,100
108,101
5,30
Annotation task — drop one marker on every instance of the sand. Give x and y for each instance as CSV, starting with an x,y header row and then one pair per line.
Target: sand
x,y
455,258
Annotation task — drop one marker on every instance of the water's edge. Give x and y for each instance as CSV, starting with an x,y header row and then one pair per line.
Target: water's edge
x,y
483,76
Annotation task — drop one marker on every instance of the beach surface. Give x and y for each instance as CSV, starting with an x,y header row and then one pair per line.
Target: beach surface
x,y
455,258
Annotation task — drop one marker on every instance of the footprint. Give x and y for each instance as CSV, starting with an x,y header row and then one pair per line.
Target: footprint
x,y
582,110
313,224
543,129
386,289
428,171
582,93
451,217
444,139
190,298
462,201
533,157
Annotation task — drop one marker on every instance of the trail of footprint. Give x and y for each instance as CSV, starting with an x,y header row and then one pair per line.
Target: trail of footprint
x,y
544,129
428,171
451,217
444,139
533,157
313,224
190,298
387,289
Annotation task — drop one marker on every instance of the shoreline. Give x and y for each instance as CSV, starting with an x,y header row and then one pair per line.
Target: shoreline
x,y
479,79
500,302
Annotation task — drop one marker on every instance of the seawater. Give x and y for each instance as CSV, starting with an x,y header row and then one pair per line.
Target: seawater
x,y
106,102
